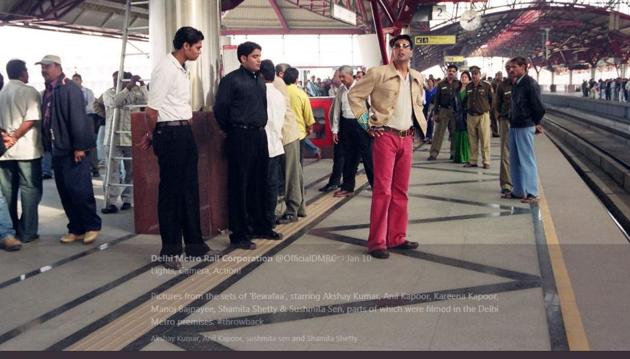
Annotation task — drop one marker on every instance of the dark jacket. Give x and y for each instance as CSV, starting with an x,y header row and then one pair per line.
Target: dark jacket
x,y
526,108
444,96
69,128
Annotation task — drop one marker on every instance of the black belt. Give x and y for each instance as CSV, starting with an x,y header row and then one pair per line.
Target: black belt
x,y
246,127
475,113
173,123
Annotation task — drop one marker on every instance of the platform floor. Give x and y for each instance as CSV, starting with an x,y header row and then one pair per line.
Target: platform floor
x,y
490,274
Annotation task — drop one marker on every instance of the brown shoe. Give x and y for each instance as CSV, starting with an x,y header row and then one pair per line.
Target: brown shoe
x,y
343,193
486,166
90,237
71,237
470,165
10,243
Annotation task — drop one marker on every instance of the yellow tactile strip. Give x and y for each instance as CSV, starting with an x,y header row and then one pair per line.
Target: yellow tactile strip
x,y
121,332
576,335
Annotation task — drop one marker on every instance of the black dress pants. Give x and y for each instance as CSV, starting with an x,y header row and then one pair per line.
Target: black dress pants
x,y
338,160
74,184
357,144
248,160
178,198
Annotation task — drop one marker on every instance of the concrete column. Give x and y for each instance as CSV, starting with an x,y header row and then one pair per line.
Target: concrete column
x,y
570,77
165,17
593,72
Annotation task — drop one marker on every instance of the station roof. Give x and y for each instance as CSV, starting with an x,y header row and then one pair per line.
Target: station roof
x,y
581,32
105,17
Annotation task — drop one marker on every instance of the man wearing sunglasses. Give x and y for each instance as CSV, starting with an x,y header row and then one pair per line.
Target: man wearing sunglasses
x,y
397,96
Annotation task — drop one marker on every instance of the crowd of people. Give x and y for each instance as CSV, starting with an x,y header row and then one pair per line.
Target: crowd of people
x,y
266,119
610,90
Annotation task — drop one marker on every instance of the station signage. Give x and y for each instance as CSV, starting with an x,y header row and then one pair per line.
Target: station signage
x,y
421,40
454,58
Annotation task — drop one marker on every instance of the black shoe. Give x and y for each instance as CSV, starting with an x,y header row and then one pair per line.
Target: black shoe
x,y
244,245
47,176
273,235
431,158
301,215
287,218
125,206
171,262
407,245
96,174
109,209
380,254
329,187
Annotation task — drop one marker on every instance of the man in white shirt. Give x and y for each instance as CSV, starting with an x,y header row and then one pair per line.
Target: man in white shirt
x,y
276,108
134,92
169,114
20,166
355,141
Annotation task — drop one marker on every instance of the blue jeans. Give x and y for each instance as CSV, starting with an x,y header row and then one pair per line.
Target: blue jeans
x,y
523,162
22,179
6,226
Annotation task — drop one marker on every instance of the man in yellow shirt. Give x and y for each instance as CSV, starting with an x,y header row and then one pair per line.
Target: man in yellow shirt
x,y
301,107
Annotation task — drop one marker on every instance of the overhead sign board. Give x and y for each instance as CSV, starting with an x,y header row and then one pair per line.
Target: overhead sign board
x,y
454,58
435,40
343,14
439,12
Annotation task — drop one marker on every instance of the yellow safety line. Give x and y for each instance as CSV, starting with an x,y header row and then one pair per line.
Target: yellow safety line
x,y
576,335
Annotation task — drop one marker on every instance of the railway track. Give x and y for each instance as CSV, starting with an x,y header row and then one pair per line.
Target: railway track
x,y
598,149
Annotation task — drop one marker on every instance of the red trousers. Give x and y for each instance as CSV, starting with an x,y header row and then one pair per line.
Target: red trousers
x,y
392,156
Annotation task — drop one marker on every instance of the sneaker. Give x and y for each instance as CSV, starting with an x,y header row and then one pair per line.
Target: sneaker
x,y
10,244
125,206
